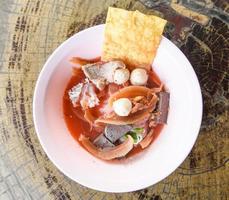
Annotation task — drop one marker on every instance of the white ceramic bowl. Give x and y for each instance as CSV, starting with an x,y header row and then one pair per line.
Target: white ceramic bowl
x,y
151,166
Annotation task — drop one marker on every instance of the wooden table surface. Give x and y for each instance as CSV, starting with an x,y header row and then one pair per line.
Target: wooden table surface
x,y
29,32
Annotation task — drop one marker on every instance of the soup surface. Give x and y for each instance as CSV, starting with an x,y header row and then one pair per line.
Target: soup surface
x,y
74,115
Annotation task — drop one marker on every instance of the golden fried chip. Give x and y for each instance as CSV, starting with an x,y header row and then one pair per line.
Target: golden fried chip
x,y
132,37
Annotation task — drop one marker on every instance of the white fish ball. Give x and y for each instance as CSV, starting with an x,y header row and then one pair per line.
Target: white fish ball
x,y
139,77
122,107
121,76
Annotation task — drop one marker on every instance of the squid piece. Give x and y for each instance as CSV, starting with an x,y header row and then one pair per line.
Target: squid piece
x,y
108,153
84,61
79,113
157,89
129,92
147,140
117,120
89,117
140,112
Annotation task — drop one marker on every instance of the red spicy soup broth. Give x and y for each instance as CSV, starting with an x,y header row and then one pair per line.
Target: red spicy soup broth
x,y
74,116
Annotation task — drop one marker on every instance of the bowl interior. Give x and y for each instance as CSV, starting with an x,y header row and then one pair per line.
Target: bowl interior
x,y
155,163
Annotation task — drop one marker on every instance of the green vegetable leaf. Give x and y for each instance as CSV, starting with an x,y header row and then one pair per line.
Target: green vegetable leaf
x,y
133,135
138,130
136,134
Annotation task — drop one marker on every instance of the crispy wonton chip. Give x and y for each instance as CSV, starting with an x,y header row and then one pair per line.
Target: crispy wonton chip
x,y
132,37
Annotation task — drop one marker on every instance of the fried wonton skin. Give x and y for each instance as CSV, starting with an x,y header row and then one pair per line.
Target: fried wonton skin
x,y
132,37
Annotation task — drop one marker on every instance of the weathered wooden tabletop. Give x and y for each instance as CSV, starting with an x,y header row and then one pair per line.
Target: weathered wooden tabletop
x,y
29,32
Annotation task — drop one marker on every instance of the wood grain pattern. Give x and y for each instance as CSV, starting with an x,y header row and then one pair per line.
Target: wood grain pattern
x,y
32,29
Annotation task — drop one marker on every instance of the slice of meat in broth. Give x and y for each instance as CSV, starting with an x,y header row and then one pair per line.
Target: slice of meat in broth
x,y
129,92
138,115
89,98
101,73
163,108
89,117
108,153
114,132
117,120
102,142
147,140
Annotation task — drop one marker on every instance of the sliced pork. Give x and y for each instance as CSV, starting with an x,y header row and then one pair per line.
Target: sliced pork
x,y
102,73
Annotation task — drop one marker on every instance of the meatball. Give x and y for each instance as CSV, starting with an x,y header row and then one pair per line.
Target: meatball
x,y
121,76
139,77
122,107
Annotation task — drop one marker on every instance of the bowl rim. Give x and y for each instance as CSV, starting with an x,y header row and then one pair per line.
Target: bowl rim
x,y
34,109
